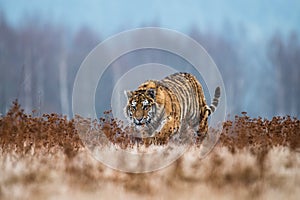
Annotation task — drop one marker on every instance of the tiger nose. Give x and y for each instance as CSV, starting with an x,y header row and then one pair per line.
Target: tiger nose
x,y
139,118
139,115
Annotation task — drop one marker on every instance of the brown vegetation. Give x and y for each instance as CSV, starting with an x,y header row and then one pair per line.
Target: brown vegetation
x,y
44,157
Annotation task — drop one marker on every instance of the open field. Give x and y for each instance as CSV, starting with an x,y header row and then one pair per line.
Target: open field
x,y
43,158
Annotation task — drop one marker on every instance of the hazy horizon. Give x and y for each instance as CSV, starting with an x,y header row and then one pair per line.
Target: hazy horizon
x,y
255,45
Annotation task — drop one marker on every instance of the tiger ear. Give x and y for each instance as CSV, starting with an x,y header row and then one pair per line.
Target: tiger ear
x,y
151,93
128,94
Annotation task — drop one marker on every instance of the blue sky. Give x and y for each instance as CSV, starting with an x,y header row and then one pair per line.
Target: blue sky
x,y
259,17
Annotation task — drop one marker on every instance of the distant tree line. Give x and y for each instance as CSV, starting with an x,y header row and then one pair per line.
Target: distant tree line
x,y
39,61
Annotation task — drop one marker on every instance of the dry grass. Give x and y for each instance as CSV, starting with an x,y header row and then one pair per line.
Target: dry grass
x,y
43,158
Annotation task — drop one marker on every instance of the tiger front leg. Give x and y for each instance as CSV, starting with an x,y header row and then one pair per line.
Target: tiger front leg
x,y
169,128
203,125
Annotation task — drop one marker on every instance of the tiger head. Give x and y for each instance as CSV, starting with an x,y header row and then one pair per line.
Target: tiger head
x,y
141,106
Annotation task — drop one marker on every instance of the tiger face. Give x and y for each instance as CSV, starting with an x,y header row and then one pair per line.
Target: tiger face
x,y
141,107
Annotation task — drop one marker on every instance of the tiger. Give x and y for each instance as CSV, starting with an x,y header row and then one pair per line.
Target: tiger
x,y
161,108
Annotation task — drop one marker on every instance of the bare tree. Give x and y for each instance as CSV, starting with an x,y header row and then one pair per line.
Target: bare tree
x,y
227,60
284,55
63,82
8,59
83,41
